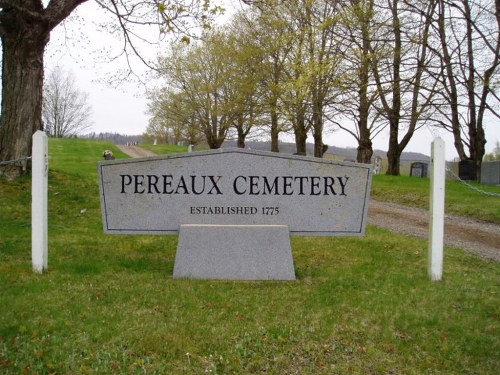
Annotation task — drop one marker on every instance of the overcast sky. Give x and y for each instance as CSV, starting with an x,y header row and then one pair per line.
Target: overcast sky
x,y
80,47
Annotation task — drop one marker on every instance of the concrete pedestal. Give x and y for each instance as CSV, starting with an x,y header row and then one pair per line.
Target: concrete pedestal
x,y
234,252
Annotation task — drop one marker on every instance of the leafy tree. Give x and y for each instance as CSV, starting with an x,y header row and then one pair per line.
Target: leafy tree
x,y
296,95
65,111
203,74
160,128
271,34
25,27
246,70
324,62
172,119
358,92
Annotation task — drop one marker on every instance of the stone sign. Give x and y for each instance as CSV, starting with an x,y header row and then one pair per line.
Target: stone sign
x,y
234,209
234,187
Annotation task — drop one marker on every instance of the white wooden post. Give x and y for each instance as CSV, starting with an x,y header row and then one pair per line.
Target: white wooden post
x,y
436,212
39,195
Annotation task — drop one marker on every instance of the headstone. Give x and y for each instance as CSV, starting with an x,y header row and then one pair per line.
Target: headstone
x,y
418,169
490,172
234,187
377,165
467,170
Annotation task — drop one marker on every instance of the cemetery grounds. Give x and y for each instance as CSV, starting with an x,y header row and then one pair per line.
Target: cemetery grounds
x,y
108,304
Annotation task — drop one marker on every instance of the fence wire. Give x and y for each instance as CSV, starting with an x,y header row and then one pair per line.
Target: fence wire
x,y
435,133
471,186
7,162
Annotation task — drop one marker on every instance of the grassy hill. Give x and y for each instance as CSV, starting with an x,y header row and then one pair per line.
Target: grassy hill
x,y
108,303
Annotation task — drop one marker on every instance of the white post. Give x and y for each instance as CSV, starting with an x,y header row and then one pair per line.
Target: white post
x,y
39,194
436,220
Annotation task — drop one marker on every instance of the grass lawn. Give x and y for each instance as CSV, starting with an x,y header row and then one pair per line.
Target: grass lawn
x,y
163,149
108,303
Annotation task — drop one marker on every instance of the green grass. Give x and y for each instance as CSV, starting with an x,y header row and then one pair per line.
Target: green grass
x,y
108,303
163,149
79,157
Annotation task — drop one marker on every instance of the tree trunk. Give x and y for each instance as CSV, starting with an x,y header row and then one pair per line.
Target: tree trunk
x,y
25,30
241,142
317,124
319,147
480,141
300,143
365,150
274,131
365,147
393,154
300,139
241,134
22,82
450,83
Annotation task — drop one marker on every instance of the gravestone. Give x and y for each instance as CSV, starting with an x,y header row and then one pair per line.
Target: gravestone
x,y
467,170
377,165
418,169
490,172
232,206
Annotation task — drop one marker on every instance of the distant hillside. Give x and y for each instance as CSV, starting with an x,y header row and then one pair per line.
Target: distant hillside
x,y
116,138
347,153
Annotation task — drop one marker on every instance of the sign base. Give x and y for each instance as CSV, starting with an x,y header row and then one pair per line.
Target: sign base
x,y
234,252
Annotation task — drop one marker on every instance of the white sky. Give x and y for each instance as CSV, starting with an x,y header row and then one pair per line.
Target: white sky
x,y
78,46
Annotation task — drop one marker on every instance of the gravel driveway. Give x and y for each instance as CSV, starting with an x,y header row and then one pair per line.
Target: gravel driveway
x,y
135,151
479,237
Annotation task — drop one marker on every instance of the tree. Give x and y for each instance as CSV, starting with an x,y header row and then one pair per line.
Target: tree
x,y
203,74
246,70
65,111
469,55
324,63
271,33
25,27
358,93
172,119
399,73
296,95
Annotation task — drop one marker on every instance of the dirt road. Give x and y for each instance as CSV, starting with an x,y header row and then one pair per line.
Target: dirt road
x,y
479,237
135,151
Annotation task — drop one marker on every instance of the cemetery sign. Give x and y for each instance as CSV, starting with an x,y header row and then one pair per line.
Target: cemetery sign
x,y
234,209
311,196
